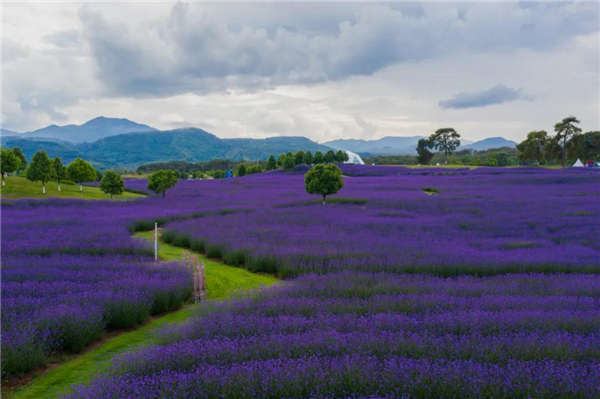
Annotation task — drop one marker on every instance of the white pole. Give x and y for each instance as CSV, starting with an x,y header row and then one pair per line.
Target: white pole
x,y
155,241
80,187
58,187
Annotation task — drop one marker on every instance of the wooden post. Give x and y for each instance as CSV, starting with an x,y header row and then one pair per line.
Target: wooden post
x,y
199,274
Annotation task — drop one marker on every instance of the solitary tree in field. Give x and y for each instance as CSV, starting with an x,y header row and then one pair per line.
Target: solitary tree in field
x,y
112,183
565,130
329,157
445,140
59,172
319,157
40,169
19,154
271,163
533,149
298,158
323,180
81,171
308,158
425,156
9,163
162,180
241,170
288,163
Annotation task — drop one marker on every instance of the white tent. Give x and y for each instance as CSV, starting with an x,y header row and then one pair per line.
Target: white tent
x,y
354,158
578,164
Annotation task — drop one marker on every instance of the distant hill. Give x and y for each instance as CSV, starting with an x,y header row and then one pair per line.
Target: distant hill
x,y
90,131
492,142
383,146
408,145
134,149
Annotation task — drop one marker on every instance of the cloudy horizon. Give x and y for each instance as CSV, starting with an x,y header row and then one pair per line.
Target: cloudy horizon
x,y
324,71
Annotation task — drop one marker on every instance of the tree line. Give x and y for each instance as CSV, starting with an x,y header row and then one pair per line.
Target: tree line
x,y
539,148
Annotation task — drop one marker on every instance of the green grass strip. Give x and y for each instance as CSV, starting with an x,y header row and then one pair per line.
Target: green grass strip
x,y
222,282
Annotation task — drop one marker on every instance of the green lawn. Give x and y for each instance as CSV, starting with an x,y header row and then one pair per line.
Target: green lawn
x,y
19,187
222,282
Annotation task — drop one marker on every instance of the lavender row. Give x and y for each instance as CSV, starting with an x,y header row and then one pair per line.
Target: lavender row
x,y
307,339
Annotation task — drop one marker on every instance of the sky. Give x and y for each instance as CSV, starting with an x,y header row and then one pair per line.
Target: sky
x,y
321,70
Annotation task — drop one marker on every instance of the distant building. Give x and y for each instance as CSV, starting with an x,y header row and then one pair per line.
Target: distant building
x,y
354,158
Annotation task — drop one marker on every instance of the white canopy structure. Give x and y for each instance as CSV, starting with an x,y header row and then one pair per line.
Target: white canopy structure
x,y
354,158
578,164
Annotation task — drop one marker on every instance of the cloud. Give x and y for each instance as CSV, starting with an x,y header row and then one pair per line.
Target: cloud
x,y
64,38
368,129
194,50
498,94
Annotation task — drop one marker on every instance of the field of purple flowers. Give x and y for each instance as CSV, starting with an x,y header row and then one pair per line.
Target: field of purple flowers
x,y
489,289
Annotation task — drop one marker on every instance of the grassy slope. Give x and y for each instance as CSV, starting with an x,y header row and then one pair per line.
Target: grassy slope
x,y
19,187
222,282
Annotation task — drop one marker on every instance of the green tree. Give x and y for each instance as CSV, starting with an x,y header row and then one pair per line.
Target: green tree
x,y
565,130
218,174
329,157
340,156
288,163
281,160
533,148
445,140
425,156
59,172
492,162
162,180
298,158
308,158
254,169
19,154
112,184
9,163
271,163
40,169
319,157
81,171
585,146
241,170
323,180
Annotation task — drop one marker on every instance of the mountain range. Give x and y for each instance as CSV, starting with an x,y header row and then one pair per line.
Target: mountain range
x,y
112,142
407,145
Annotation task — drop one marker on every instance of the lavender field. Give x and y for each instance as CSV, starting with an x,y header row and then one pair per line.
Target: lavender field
x,y
489,289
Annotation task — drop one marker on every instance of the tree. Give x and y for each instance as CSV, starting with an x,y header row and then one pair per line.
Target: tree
x,y
585,146
162,180
254,169
425,156
271,163
319,157
280,160
323,180
533,149
218,174
288,163
445,140
565,130
40,169
112,184
340,156
329,157
9,163
298,158
19,154
80,171
308,158
241,170
59,172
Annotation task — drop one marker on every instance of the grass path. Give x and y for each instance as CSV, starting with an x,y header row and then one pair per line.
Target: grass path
x,y
19,187
222,282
